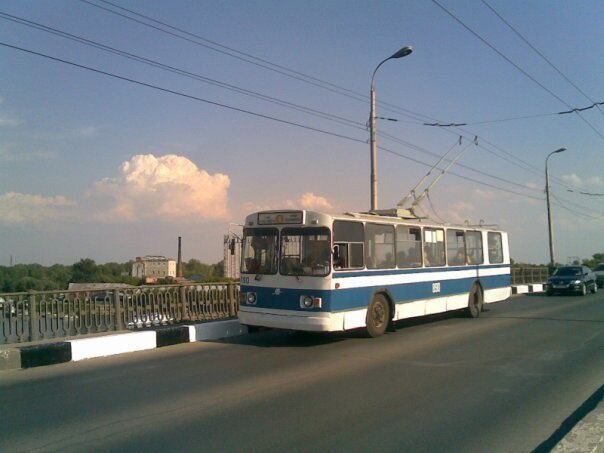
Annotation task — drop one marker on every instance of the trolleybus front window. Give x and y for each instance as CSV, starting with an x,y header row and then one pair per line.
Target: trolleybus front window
x,y
305,251
259,251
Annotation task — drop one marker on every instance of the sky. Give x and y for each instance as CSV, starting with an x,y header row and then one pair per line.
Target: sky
x,y
100,167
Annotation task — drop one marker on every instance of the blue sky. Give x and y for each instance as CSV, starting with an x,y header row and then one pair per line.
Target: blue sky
x,y
66,133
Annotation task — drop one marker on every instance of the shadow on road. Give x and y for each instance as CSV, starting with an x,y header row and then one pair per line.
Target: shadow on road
x,y
537,318
276,338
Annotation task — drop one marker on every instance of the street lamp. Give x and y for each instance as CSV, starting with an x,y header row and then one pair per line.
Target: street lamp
x,y
549,215
400,54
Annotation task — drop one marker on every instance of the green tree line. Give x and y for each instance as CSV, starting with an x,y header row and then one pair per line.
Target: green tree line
x,y
26,277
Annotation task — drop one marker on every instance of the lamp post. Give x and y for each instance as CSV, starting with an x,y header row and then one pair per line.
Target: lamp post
x,y
401,53
549,215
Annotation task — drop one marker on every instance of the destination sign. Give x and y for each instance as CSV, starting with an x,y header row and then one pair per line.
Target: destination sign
x,y
280,218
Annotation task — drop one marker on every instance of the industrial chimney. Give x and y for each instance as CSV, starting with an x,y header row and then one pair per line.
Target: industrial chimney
x,y
179,262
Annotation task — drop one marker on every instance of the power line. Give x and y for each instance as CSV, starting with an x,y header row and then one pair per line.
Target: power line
x,y
419,117
520,69
240,90
173,69
249,112
538,52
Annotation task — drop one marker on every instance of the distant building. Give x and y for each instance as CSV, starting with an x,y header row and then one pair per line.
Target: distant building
x,y
153,267
232,256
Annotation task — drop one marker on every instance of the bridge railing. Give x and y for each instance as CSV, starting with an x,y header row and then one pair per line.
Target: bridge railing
x,y
42,315
529,275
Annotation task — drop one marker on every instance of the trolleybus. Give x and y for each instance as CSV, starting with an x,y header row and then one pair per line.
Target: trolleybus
x,y
311,271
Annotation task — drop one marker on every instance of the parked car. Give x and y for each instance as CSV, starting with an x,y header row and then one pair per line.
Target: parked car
x,y
599,271
572,279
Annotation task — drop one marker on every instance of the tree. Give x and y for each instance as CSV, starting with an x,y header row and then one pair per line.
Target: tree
x,y
85,271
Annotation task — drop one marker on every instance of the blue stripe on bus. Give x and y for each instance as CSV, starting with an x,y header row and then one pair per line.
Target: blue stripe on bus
x,y
354,298
417,270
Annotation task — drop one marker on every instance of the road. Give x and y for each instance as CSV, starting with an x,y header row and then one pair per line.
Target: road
x,y
503,382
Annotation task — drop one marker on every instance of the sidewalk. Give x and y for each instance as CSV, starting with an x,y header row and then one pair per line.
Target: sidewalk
x,y
49,352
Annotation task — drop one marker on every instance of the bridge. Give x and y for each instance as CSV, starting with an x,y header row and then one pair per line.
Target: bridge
x,y
519,378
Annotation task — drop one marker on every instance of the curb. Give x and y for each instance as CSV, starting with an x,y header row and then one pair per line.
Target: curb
x,y
528,289
118,343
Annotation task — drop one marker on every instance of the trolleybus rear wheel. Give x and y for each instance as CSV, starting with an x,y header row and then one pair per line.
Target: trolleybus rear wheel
x,y
474,302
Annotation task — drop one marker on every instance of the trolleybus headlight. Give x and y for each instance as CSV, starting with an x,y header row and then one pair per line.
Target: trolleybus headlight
x,y
307,301
251,298
310,302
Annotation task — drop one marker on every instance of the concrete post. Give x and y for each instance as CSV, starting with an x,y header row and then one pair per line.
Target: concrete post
x,y
34,318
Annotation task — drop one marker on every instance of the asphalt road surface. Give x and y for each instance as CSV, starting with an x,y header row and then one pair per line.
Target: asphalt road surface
x,y
503,382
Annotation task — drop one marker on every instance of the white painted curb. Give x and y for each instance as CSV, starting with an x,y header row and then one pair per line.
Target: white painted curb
x,y
536,288
520,289
215,330
88,348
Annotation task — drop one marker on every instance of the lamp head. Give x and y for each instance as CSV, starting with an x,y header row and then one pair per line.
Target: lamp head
x,y
560,150
403,52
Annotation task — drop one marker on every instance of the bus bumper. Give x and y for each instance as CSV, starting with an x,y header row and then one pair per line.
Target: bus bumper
x,y
291,320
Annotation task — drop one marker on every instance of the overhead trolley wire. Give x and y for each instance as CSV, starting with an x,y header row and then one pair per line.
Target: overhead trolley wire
x,y
538,52
519,68
159,65
416,116
249,112
173,69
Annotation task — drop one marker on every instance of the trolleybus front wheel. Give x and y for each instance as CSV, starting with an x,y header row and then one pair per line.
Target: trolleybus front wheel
x,y
378,316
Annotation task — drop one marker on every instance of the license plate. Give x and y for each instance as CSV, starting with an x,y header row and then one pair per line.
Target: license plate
x,y
559,286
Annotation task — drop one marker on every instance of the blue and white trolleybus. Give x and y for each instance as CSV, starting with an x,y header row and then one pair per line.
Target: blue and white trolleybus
x,y
311,271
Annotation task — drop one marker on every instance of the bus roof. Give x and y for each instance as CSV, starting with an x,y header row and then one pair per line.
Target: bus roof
x,y
289,217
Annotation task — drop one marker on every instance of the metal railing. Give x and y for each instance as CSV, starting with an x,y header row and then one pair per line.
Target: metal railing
x,y
42,315
529,275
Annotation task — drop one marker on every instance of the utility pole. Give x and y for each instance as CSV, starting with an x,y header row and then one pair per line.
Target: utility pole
x,y
552,261
372,129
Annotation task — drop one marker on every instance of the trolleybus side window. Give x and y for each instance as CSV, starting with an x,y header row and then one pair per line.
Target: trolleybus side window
x,y
348,239
305,251
474,247
434,247
408,246
456,248
495,248
379,246
259,251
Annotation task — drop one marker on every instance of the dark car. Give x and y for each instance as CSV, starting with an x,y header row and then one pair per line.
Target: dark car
x,y
572,279
599,271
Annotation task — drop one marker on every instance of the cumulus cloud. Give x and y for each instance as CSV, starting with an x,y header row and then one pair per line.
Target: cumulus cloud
x,y
18,208
168,187
309,200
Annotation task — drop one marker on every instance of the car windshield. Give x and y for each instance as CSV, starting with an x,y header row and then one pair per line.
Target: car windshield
x,y
568,272
305,251
259,251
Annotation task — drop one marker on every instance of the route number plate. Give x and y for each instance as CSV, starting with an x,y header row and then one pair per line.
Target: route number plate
x,y
436,287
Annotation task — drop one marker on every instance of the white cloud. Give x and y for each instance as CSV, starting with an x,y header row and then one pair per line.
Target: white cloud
x,y
87,132
18,208
531,185
309,200
575,180
8,121
168,187
25,156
